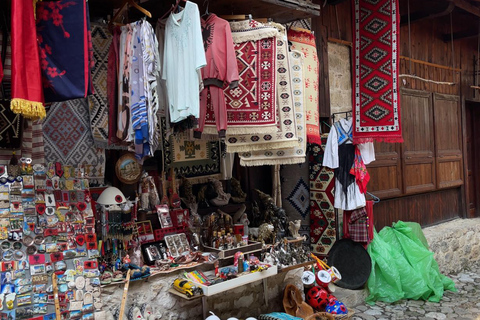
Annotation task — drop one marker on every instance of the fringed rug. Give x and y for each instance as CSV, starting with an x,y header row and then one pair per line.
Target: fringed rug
x,y
322,213
376,104
286,135
68,138
296,196
251,107
197,159
294,154
305,42
98,102
11,127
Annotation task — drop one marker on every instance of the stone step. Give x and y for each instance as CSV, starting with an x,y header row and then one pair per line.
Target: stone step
x,y
351,298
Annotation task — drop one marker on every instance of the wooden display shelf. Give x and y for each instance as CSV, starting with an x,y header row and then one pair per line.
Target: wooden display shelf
x,y
251,247
296,266
181,295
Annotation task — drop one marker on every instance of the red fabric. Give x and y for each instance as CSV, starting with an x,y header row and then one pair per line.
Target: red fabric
x,y
26,76
1,71
358,224
359,170
112,86
375,96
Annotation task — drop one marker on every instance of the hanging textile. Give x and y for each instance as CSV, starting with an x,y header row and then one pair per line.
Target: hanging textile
x,y
184,55
63,38
98,102
286,134
251,107
221,70
27,93
294,154
358,224
69,140
191,158
11,127
125,63
375,65
359,170
322,213
296,196
32,144
305,42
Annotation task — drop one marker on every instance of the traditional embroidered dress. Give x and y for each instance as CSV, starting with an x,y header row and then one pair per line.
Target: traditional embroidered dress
x,y
340,155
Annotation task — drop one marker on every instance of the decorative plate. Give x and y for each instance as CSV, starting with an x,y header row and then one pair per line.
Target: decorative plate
x,y
128,170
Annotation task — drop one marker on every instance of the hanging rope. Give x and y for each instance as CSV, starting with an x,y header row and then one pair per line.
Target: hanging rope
x,y
453,47
410,55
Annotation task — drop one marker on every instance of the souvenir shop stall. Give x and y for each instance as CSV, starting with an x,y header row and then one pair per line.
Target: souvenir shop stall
x,y
129,155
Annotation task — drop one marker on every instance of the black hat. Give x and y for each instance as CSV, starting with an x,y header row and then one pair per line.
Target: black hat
x,y
352,261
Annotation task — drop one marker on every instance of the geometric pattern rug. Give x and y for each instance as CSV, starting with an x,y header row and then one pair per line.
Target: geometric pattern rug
x,y
296,196
68,138
98,102
11,127
196,159
323,224
375,93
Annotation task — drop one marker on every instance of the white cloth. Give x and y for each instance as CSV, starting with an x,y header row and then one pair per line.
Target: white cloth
x,y
353,199
184,56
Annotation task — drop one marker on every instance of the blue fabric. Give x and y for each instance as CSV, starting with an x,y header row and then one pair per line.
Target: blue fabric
x,y
277,316
343,136
63,38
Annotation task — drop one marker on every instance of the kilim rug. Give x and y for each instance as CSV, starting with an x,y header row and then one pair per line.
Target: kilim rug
x,y
296,196
11,127
251,107
197,159
286,135
295,154
98,102
305,42
32,144
375,96
68,138
322,213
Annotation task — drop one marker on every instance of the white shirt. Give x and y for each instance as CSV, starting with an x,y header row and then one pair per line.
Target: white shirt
x,y
183,58
354,198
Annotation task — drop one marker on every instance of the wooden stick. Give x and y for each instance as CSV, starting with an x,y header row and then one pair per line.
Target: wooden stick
x,y
426,80
125,294
55,296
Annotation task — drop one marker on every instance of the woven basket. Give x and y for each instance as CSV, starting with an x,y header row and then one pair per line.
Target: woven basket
x,y
329,316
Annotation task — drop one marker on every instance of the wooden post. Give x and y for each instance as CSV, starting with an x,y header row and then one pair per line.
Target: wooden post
x,y
55,295
124,297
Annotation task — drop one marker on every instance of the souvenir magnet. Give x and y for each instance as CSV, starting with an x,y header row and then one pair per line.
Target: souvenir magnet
x,y
79,295
36,259
56,256
90,264
10,298
80,239
40,279
80,282
76,305
2,297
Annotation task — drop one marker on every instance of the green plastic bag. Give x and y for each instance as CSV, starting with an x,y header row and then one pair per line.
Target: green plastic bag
x,y
403,267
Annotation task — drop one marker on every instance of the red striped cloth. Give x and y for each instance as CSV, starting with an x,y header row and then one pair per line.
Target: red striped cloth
x,y
358,224
32,144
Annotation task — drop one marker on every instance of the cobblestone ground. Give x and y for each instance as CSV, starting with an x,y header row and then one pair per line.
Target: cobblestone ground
x,y
461,305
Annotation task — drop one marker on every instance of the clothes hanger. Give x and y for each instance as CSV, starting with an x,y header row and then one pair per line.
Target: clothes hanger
x,y
133,4
374,197
206,10
172,9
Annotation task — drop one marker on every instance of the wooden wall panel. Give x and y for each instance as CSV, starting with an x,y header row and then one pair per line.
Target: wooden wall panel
x,y
426,209
385,171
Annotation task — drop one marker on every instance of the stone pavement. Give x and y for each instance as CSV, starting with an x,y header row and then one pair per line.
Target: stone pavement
x,y
461,305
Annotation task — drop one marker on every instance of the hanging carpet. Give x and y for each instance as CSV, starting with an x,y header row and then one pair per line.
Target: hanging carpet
x,y
68,138
11,127
375,64
64,42
294,154
251,107
305,42
198,159
296,196
286,135
322,213
98,102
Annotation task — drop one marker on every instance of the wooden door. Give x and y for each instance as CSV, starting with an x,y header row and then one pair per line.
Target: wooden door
x,y
448,137
386,172
473,151
419,146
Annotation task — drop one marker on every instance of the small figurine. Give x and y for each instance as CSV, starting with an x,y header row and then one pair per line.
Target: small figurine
x,y
126,261
244,220
293,227
266,233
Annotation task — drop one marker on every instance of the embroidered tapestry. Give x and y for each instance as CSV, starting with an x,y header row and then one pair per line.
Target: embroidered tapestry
x,y
63,39
376,103
11,127
286,135
296,196
69,140
191,158
251,107
323,222
305,42
98,102
294,154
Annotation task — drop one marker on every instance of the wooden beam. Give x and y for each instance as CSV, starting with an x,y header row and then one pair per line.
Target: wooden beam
x,y
465,34
464,5
419,16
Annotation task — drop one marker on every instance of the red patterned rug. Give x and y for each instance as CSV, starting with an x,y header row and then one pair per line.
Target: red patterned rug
x,y
323,222
375,96
251,106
